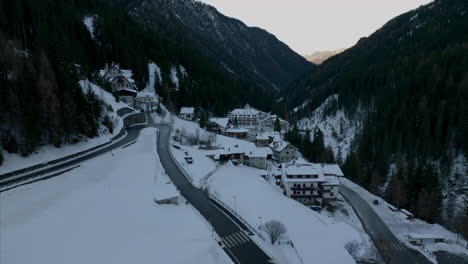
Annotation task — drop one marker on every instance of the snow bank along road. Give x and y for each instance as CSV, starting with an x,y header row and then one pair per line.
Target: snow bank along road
x,y
17,180
240,247
390,248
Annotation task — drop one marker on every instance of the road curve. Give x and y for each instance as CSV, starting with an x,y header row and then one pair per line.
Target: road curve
x,y
225,226
15,180
389,247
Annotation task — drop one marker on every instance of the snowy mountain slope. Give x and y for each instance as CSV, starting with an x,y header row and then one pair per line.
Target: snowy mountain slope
x,y
15,161
250,53
104,212
339,131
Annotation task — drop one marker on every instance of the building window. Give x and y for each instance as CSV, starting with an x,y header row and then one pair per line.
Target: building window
x,y
331,194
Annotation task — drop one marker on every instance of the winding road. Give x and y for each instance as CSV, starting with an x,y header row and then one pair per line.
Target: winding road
x,y
13,181
238,244
389,247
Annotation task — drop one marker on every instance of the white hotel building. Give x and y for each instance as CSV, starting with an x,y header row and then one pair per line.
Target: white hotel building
x,y
311,184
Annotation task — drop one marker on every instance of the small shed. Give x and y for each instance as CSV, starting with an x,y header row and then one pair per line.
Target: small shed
x,y
166,194
424,239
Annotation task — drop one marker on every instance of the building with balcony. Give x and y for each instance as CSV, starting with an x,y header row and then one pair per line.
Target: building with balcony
x,y
311,184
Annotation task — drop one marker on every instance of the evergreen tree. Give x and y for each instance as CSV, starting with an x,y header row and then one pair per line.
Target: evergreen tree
x,y
277,125
203,119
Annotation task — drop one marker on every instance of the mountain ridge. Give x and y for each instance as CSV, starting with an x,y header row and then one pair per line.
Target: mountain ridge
x,y
245,52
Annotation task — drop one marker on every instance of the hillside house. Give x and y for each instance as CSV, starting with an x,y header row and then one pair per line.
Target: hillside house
x,y
424,239
246,117
239,133
266,138
308,184
127,95
258,157
283,151
121,82
146,101
218,125
268,123
235,154
187,113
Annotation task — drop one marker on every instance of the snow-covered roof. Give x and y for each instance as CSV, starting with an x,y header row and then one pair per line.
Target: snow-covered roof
x,y
221,121
243,111
332,169
187,110
303,169
127,74
267,135
259,153
128,90
237,130
280,145
331,180
423,236
146,93
165,191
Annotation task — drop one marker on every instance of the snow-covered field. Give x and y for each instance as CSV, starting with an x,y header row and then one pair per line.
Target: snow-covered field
x,y
343,212
103,212
401,226
13,161
314,236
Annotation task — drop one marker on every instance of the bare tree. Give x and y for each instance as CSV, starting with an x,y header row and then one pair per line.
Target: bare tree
x,y
275,229
352,247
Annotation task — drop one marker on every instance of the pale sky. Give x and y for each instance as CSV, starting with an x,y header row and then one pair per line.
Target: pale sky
x,y
311,25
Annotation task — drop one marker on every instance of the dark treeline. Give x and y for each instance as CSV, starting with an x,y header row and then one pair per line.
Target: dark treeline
x,y
42,40
313,150
411,78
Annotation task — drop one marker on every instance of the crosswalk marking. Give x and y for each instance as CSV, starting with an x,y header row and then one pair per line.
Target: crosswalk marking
x,y
233,242
390,246
241,238
235,239
226,242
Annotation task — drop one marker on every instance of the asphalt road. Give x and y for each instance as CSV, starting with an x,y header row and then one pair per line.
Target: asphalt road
x,y
238,245
390,248
14,181
448,258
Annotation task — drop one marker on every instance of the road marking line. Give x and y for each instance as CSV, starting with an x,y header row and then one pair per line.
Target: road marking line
x,y
244,236
236,239
233,242
226,242
241,238
236,235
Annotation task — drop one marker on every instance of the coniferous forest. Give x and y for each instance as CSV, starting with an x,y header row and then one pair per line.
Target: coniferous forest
x,y
45,49
410,79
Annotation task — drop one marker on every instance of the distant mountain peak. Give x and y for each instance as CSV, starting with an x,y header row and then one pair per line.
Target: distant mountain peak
x,y
320,56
